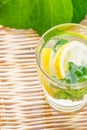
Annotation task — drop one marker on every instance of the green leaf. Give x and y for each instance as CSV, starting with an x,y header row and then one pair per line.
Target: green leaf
x,y
79,10
37,14
76,73
71,94
81,92
72,72
84,69
59,43
83,78
41,14
61,94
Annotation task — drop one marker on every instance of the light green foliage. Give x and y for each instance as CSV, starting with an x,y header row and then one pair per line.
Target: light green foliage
x,y
77,74
40,14
59,43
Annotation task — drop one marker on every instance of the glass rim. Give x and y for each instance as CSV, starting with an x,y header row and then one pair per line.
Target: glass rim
x,y
39,43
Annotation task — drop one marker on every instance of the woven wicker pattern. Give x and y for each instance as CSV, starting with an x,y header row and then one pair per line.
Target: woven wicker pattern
x,y
22,102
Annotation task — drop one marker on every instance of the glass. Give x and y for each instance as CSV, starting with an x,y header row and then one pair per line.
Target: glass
x,y
55,90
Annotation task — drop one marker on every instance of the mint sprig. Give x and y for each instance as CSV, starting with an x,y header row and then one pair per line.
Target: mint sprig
x,y
72,94
77,74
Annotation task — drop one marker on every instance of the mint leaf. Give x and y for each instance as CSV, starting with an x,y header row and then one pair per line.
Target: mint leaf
x,y
84,69
80,93
82,79
61,94
72,94
72,72
76,74
59,43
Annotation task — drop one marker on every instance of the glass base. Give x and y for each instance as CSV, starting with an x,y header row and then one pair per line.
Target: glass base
x,y
65,105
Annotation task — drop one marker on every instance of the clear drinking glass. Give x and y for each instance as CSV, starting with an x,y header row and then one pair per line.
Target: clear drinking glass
x,y
62,96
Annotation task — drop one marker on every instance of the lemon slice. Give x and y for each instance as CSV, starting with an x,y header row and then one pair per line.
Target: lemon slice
x,y
71,51
46,60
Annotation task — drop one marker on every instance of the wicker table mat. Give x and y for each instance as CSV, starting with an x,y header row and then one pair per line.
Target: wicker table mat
x,y
22,102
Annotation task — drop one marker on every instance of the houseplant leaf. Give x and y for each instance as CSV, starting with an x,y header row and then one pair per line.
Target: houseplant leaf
x,y
79,10
37,14
41,14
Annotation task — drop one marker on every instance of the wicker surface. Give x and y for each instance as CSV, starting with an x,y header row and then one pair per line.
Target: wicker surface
x,y
22,102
